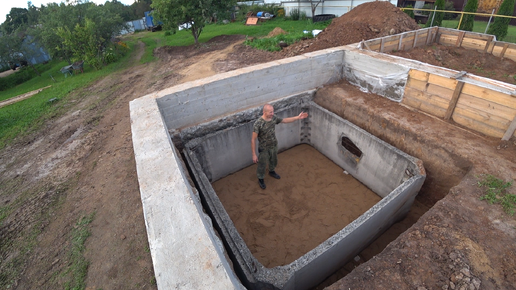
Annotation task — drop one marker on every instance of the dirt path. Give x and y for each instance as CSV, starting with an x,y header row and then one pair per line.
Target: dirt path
x,y
21,97
82,163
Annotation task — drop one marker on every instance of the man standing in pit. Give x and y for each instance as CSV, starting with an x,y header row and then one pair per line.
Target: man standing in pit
x,y
264,130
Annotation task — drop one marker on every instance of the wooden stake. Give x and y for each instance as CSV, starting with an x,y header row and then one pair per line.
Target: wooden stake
x,y
454,100
381,45
510,131
400,42
459,39
488,42
415,39
503,50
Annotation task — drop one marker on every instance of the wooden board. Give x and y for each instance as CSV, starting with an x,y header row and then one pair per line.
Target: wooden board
x,y
442,81
251,21
477,126
416,84
419,75
482,117
440,92
486,106
490,95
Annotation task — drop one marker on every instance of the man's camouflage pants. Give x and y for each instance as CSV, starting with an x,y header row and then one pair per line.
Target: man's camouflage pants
x,y
267,156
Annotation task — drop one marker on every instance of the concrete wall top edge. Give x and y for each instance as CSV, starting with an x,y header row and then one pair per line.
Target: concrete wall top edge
x,y
171,210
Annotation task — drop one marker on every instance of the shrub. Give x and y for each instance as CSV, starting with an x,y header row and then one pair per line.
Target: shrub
x,y
469,19
24,74
438,18
409,12
501,24
449,7
295,14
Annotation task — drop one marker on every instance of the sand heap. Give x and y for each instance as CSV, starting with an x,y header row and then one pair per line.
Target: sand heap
x,y
366,21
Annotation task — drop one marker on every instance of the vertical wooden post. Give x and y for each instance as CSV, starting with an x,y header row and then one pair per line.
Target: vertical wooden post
x,y
401,41
510,131
381,44
488,43
458,43
454,100
415,39
504,50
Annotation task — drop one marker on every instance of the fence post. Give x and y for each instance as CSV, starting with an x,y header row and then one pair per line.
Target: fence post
x,y
489,22
460,20
433,15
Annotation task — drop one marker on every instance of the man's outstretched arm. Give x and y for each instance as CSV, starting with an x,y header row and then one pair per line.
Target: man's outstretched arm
x,y
298,117
253,146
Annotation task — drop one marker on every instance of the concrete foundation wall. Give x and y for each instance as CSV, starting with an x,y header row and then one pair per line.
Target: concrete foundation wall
x,y
382,167
229,150
199,101
186,252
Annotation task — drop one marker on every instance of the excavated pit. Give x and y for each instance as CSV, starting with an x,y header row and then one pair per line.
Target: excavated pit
x,y
391,174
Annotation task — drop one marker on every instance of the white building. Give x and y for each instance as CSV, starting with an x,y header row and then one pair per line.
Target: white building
x,y
337,7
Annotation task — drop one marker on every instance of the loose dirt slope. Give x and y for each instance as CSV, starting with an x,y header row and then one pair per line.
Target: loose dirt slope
x,y
366,21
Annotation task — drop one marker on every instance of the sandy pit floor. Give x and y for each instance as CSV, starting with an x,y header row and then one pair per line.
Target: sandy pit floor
x,y
312,201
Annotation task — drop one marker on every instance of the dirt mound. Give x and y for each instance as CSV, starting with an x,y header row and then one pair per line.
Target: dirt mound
x,y
366,21
277,31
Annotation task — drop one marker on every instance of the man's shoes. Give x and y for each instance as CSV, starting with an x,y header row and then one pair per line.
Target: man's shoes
x,y
274,174
261,183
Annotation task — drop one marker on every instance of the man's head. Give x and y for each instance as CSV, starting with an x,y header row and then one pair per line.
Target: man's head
x,y
268,111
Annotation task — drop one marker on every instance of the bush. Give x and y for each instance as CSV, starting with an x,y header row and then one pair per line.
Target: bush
x,y
501,24
469,19
295,14
449,6
272,43
24,74
438,18
409,12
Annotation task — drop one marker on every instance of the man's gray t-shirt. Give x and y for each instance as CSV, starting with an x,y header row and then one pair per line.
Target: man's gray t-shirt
x,y
266,131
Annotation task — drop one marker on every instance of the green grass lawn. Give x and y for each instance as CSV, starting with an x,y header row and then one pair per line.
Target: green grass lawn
x,y
28,115
156,39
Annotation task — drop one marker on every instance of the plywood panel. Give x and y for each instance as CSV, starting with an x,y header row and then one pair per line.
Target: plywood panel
x,y
490,95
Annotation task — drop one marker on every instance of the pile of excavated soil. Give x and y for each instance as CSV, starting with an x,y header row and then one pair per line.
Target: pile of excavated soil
x,y
366,21
276,31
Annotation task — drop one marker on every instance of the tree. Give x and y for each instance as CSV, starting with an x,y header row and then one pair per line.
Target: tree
x,y
469,19
52,17
90,38
194,13
438,18
141,6
501,24
17,18
313,5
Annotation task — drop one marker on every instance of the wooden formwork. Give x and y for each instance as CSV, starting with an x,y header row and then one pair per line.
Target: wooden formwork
x,y
482,105
486,110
